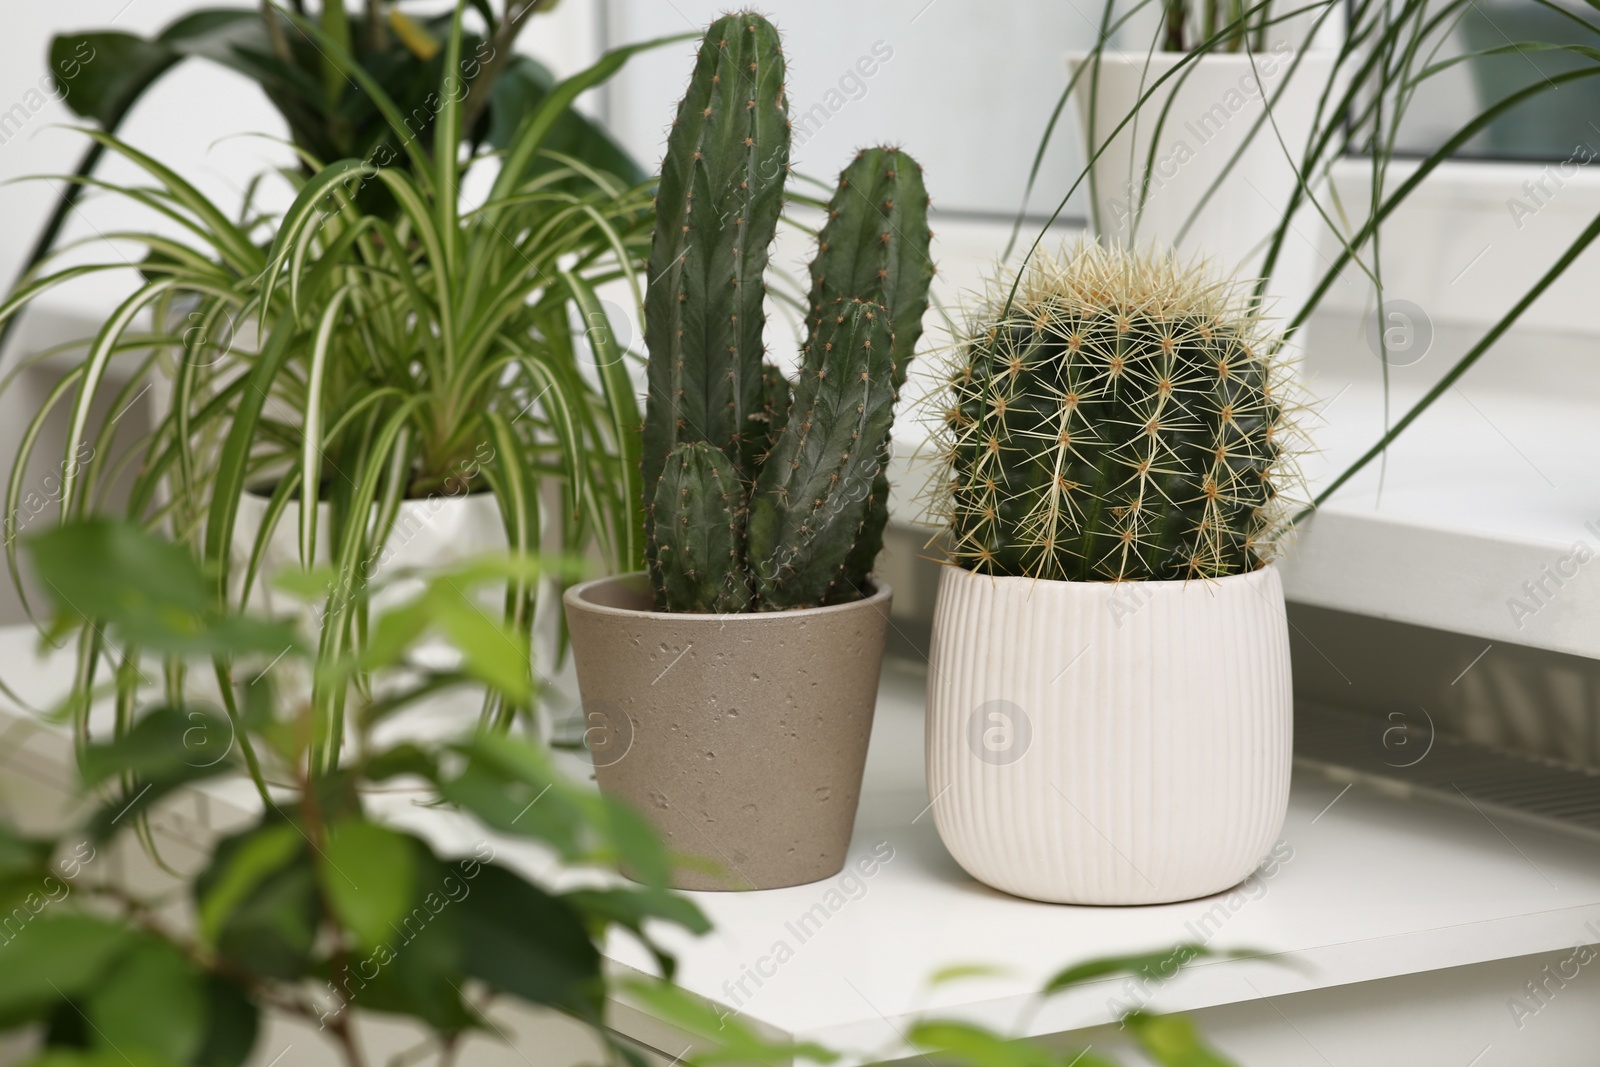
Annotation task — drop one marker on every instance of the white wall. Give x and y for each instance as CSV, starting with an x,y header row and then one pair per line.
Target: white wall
x,y
190,121
178,122
965,87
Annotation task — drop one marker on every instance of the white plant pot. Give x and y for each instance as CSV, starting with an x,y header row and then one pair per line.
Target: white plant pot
x,y
431,533
435,532
1215,104
1100,743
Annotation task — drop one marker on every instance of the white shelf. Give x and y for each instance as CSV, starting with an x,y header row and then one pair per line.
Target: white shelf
x,y
1481,494
1372,886
1488,490
1375,887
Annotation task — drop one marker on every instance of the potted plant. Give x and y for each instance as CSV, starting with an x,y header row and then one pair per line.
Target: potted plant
x,y
1109,706
318,907
1196,141
102,74
730,690
423,376
336,903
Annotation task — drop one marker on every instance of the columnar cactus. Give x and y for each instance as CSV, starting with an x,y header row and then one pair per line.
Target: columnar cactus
x,y
1116,417
761,493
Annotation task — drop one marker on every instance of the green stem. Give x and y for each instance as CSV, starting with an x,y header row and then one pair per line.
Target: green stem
x,y
377,28
1177,13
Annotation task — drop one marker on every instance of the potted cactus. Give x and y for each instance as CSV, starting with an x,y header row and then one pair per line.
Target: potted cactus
x,y
729,689
1109,713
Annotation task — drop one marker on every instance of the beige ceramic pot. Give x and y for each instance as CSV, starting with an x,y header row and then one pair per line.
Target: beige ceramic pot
x,y
741,737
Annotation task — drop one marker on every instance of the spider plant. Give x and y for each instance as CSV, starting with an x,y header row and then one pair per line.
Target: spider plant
x,y
1389,48
370,360
102,74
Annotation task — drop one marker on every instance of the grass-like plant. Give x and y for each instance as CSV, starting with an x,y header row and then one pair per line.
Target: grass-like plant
x,y
1387,50
321,909
364,360
102,74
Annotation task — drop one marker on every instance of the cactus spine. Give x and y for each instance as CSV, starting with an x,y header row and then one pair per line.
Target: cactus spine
x,y
761,493
1121,417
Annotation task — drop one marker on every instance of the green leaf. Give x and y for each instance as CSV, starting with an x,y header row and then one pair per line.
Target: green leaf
x,y
22,856
366,875
417,970
59,1057
523,941
165,743
232,1022
510,785
965,1043
496,654
102,75
102,569
54,956
395,633
165,750
1172,1041
308,585
403,759
149,592
1161,960
520,91
633,841
152,1002
632,909
257,901
512,806
729,1039
961,971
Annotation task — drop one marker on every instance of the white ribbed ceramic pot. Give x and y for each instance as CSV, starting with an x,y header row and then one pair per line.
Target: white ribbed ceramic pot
x,y
1109,743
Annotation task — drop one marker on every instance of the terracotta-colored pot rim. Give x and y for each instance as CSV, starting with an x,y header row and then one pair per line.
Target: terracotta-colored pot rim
x,y
577,597
1165,583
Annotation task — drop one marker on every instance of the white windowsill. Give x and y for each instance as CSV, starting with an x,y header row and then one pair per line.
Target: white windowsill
x,y
1368,886
1480,496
